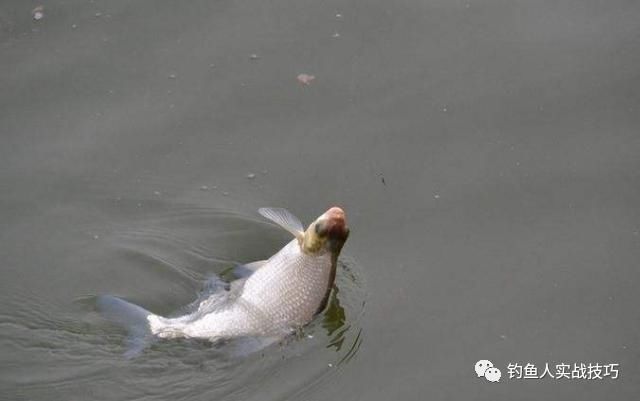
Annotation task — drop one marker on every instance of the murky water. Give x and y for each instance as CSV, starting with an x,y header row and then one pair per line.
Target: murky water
x,y
161,256
486,154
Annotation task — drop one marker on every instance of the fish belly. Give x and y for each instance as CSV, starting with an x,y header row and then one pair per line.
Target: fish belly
x,y
235,321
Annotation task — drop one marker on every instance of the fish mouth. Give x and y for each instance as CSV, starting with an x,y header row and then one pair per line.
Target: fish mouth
x,y
335,225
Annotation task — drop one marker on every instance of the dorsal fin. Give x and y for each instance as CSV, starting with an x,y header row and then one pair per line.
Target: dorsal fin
x,y
284,219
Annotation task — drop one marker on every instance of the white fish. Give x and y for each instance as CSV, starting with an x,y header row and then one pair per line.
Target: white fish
x,y
281,294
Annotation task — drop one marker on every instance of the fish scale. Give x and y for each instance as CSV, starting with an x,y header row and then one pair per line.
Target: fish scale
x,y
281,294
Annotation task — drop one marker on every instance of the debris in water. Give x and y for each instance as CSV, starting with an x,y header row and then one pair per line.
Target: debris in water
x,y
173,76
264,172
225,193
436,196
98,15
96,236
251,176
253,56
156,193
335,35
339,16
38,13
204,188
74,26
306,78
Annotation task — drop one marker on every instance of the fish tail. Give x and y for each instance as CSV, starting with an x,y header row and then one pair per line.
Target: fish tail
x,y
136,320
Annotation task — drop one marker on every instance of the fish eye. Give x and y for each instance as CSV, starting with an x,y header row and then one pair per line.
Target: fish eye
x,y
319,229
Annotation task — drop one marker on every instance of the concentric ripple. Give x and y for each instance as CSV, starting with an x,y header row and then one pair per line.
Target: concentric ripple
x,y
162,261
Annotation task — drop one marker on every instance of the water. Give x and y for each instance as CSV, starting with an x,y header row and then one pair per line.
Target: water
x,y
486,154
162,258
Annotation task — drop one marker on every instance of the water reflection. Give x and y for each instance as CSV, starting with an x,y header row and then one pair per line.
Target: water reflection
x,y
333,322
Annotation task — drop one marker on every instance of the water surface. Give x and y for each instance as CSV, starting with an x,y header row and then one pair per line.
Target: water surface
x,y
486,154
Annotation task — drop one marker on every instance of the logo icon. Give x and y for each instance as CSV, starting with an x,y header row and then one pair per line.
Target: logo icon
x,y
493,374
484,368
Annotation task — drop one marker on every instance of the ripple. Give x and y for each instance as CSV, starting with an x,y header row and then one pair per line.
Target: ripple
x,y
70,348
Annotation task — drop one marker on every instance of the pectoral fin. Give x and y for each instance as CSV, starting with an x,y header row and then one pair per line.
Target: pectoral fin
x,y
284,219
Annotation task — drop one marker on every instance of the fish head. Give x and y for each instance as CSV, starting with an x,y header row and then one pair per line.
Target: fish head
x,y
327,233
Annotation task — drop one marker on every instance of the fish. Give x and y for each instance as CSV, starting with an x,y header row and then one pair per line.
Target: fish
x,y
270,299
